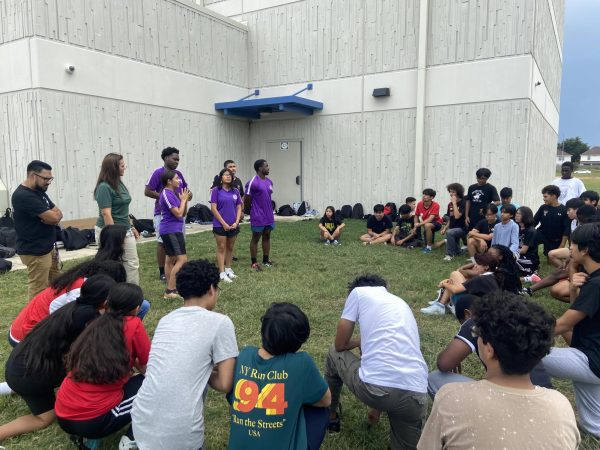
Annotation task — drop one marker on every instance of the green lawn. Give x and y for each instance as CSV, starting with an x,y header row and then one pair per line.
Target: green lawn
x,y
306,273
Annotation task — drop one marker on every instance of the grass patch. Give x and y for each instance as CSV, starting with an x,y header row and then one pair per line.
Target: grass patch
x,y
308,274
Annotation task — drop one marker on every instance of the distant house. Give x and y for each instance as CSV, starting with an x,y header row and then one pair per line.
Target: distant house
x,y
589,158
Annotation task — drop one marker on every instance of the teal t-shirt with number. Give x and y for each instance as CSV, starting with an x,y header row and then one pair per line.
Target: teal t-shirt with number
x,y
268,398
118,204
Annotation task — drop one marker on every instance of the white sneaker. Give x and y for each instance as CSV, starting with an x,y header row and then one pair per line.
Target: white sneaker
x,y
436,309
335,242
5,389
448,258
326,242
127,444
230,273
223,276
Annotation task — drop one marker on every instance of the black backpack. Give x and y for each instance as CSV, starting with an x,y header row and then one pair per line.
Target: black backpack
x,y
142,225
5,266
8,237
74,239
346,211
286,210
199,213
302,209
7,252
357,211
7,220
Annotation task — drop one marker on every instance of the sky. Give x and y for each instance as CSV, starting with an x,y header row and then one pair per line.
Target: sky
x,y
580,90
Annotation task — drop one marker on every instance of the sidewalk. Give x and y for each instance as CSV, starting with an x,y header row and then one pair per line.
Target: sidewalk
x,y
90,250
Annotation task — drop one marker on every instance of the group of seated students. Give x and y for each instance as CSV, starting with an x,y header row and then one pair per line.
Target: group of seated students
x,y
84,335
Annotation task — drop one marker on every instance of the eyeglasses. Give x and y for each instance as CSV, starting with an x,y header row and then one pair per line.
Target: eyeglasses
x,y
46,179
475,332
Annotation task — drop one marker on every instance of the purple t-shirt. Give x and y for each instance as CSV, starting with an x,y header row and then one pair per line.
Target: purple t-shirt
x,y
169,223
261,210
155,185
226,202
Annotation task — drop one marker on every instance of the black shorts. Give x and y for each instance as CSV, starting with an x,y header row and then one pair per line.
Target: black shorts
x,y
550,245
37,391
220,231
174,244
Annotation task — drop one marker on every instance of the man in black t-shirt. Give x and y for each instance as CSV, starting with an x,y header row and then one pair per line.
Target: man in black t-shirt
x,y
236,183
479,196
580,327
35,220
480,237
404,233
554,224
379,227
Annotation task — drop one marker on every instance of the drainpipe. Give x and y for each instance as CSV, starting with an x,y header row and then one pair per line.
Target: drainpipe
x,y
421,79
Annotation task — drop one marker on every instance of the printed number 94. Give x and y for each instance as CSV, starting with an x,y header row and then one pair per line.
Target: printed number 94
x,y
271,398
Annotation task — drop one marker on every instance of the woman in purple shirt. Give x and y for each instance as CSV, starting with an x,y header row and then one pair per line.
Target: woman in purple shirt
x,y
173,207
226,206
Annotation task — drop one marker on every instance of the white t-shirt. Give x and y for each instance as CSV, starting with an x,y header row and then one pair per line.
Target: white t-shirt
x,y
389,339
168,410
571,188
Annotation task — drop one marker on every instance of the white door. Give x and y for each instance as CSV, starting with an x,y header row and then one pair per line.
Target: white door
x,y
285,164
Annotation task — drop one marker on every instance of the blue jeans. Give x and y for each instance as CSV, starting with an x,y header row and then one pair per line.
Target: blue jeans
x,y
144,308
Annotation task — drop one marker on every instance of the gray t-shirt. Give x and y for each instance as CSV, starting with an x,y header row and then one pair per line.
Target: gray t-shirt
x,y
168,410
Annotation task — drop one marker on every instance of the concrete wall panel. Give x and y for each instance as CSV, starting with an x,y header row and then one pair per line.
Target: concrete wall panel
x,y
467,30
15,20
165,33
545,50
74,132
349,158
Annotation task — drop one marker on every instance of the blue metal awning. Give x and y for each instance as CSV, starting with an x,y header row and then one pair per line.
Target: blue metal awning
x,y
251,108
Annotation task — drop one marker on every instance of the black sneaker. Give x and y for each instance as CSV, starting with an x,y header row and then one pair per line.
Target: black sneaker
x,y
334,425
526,292
269,263
162,277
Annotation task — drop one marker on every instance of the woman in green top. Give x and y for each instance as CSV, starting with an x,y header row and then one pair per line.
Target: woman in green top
x,y
113,202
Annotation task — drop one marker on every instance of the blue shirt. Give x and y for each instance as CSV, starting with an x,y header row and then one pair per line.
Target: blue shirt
x,y
508,235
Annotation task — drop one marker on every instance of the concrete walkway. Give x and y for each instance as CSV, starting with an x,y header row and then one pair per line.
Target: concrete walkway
x,y
90,250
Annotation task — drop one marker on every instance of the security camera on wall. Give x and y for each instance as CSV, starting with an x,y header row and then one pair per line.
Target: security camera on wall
x,y
70,68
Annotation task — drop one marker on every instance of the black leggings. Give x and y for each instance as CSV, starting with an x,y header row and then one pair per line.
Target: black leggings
x,y
110,422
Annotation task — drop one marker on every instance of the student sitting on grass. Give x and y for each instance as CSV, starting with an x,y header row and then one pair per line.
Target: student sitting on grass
x,y
554,224
506,410
64,290
507,231
580,328
464,343
35,368
331,227
480,237
390,375
558,281
427,218
506,199
412,202
559,257
95,398
484,265
454,229
529,259
379,227
294,394
193,347
590,198
404,233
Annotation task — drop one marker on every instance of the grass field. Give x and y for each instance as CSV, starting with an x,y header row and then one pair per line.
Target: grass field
x,y
306,273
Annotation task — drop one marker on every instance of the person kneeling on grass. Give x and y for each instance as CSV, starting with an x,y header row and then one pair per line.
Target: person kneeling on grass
x,y
173,208
294,396
390,375
35,368
331,227
379,227
580,328
192,348
506,410
464,343
94,400
405,233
